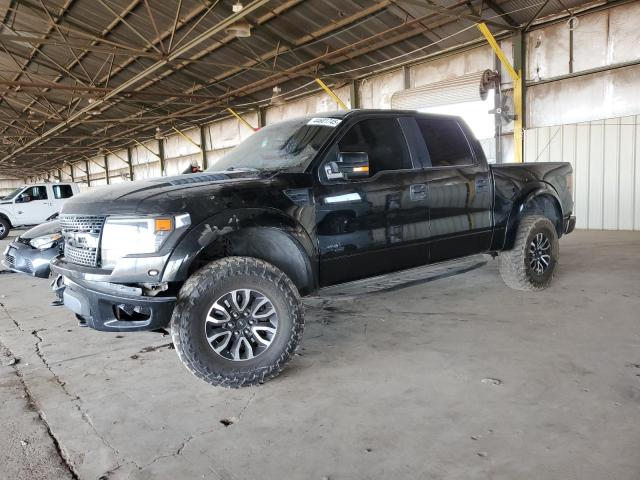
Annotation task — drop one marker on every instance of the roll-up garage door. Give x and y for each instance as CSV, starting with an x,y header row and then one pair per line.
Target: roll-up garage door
x,y
465,88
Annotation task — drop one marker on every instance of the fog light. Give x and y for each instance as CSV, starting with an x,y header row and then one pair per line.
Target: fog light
x,y
153,273
128,312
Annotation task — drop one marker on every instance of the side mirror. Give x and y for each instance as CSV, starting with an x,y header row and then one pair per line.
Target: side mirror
x,y
23,198
348,166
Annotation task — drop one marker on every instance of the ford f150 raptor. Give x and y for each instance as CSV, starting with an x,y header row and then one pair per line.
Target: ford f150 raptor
x,y
223,257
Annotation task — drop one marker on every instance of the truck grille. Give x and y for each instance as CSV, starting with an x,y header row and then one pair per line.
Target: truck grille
x,y
81,238
10,260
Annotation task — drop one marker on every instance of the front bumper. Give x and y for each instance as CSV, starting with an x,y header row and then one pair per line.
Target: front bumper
x,y
569,224
23,258
103,307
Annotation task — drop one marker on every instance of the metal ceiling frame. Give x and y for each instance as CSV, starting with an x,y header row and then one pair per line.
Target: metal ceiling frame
x,y
33,116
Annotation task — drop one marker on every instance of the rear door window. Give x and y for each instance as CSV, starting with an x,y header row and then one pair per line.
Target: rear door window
x,y
446,142
62,191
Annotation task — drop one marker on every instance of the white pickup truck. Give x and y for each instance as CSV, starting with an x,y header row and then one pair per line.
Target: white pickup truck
x,y
33,204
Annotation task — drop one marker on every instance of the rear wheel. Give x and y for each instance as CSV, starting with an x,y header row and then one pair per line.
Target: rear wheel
x,y
5,227
532,262
237,322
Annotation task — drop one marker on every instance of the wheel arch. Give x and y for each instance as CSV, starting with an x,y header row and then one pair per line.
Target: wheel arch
x,y
543,200
265,234
6,217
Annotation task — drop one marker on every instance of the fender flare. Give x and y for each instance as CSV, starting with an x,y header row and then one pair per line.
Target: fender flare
x,y
540,196
262,233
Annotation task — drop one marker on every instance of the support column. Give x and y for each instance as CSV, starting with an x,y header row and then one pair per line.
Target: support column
x,y
161,155
406,77
106,169
497,103
262,117
130,163
354,94
203,147
86,166
519,95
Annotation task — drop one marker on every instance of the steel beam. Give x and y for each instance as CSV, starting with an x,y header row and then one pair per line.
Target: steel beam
x,y
241,118
458,15
332,94
204,36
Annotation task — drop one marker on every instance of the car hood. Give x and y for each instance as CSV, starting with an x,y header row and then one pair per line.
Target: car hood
x,y
197,194
41,230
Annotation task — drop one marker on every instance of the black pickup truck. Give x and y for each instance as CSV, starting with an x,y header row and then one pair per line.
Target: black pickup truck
x,y
224,256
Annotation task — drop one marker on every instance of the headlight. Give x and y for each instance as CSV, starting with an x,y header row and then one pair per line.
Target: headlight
x,y
47,241
123,236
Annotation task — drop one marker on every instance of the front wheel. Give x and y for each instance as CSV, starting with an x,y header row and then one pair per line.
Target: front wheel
x,y
531,263
237,322
5,227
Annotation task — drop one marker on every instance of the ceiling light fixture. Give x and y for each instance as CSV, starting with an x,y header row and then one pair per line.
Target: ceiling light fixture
x,y
237,7
240,29
277,98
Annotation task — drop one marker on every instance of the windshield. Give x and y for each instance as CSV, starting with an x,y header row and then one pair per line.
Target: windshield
x,y
12,194
283,145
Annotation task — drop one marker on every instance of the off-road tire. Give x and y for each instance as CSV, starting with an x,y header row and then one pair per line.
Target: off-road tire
x,y
514,264
5,226
203,288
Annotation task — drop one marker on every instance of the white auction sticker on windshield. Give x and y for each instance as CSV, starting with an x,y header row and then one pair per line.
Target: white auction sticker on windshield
x,y
324,122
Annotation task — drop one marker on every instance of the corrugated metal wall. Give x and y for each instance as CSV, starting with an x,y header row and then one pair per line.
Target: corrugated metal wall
x,y
605,155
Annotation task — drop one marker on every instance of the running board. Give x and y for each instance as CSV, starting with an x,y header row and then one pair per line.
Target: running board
x,y
403,279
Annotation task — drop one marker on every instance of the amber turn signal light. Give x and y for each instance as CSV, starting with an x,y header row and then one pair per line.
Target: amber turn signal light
x,y
163,225
361,169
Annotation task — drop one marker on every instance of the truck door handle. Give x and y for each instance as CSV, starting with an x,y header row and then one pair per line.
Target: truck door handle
x,y
418,191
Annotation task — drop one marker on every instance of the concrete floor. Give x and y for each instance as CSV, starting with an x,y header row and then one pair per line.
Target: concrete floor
x,y
460,378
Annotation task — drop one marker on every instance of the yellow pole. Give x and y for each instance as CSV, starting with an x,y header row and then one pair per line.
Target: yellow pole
x,y
518,141
324,87
517,90
187,138
241,118
147,148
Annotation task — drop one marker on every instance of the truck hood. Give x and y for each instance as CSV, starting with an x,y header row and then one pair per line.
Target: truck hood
x,y
41,230
199,194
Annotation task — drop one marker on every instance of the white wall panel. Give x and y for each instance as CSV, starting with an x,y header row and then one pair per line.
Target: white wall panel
x,y
476,60
590,42
146,170
605,155
320,102
229,132
178,146
624,34
376,92
608,94
145,154
548,52
175,166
